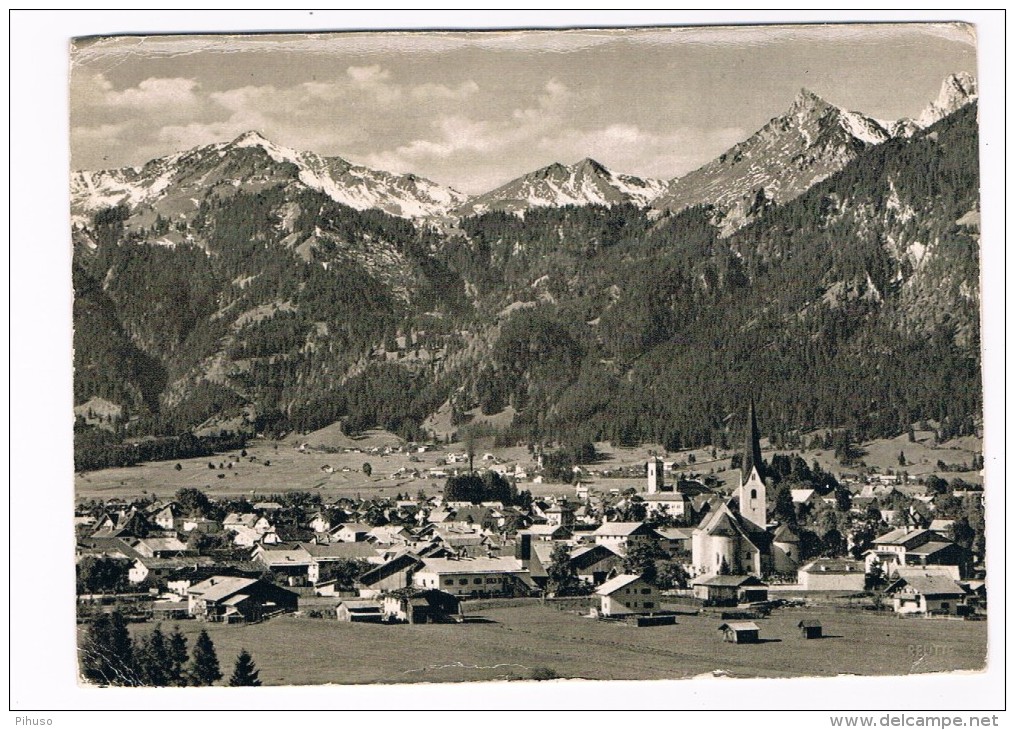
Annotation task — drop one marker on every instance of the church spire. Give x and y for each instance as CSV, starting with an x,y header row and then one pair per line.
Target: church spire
x,y
752,449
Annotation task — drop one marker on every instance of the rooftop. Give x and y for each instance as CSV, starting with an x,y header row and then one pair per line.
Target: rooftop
x,y
615,584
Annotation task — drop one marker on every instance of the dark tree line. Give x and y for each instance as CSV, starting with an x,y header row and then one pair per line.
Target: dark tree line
x,y
110,657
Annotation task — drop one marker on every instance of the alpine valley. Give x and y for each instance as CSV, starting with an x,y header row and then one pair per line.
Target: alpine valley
x,y
829,264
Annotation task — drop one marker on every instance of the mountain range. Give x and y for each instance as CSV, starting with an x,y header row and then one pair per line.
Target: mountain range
x,y
804,145
830,261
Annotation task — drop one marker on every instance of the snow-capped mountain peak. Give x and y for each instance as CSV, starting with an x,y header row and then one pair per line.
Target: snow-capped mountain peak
x,y
957,90
811,140
586,182
254,138
190,174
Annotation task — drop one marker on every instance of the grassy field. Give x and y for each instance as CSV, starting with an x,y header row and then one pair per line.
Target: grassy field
x,y
510,642
291,469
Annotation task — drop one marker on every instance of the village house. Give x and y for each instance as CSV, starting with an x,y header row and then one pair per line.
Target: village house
x,y
478,577
627,594
162,547
324,557
180,580
951,571
158,570
915,547
560,514
394,574
422,607
351,532
668,504
676,540
832,574
930,593
803,497
319,522
391,535
249,529
289,564
617,536
230,599
547,533
594,563
165,515
128,523
730,590
201,525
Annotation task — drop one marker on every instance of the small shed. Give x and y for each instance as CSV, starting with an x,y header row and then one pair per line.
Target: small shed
x,y
810,629
359,612
740,632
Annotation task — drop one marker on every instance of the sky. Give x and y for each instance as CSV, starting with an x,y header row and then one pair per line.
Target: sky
x,y
475,110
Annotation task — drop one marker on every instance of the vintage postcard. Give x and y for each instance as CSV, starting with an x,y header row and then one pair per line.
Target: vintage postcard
x,y
603,354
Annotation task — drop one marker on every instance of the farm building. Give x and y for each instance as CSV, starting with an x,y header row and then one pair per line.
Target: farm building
x,y
290,564
810,629
324,558
593,563
915,547
627,594
391,576
359,611
423,607
231,599
618,535
675,540
501,576
832,574
740,632
931,593
730,590
158,569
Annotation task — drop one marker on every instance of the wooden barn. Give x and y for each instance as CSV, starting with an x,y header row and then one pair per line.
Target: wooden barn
x,y
730,590
424,607
232,599
810,629
740,632
359,612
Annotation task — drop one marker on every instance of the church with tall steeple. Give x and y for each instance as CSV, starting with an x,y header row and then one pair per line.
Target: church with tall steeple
x,y
736,538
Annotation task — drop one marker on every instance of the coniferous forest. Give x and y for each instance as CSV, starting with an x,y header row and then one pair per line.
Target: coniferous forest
x,y
854,306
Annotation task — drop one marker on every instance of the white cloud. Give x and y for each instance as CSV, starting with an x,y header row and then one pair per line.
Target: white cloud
x,y
368,75
441,92
156,94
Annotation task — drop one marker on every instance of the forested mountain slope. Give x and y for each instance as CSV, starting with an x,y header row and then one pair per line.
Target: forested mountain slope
x,y
855,304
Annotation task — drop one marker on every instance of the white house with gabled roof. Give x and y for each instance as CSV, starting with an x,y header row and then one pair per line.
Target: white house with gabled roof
x,y
627,594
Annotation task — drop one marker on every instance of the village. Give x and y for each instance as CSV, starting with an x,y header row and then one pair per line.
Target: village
x,y
653,552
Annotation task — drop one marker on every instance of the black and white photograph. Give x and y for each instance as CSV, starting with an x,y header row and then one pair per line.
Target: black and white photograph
x,y
538,356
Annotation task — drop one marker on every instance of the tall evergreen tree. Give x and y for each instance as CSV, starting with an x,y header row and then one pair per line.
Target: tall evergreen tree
x,y
563,577
245,673
152,659
106,652
204,665
178,658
